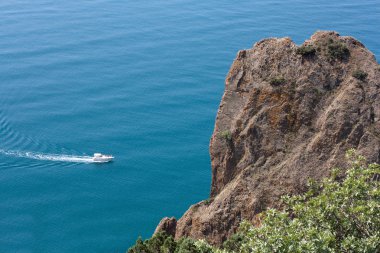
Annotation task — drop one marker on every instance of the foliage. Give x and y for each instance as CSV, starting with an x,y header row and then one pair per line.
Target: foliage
x,y
360,74
339,214
186,245
307,50
139,247
334,216
234,243
169,245
163,243
225,135
203,247
337,50
207,201
276,81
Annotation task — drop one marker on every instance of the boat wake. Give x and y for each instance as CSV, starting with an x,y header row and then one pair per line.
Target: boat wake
x,y
48,157
14,144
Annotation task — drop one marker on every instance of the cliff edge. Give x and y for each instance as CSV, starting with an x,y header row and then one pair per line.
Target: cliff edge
x,y
288,114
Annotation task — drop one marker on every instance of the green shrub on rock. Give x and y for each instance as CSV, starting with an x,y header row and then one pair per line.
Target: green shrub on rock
x,y
164,243
169,245
139,247
234,243
158,243
225,135
337,50
186,245
204,247
276,81
307,50
360,74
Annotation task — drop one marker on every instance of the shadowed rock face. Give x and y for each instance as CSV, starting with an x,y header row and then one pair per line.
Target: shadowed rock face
x,y
168,225
285,118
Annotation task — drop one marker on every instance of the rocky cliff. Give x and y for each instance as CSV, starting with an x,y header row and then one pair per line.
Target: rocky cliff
x,y
288,114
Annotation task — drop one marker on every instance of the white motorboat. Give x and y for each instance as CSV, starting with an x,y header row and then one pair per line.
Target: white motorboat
x,y
100,158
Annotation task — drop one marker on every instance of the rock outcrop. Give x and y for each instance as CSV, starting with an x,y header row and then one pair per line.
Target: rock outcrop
x,y
288,114
168,225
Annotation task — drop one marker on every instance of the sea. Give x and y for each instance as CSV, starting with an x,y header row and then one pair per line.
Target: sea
x,y
141,80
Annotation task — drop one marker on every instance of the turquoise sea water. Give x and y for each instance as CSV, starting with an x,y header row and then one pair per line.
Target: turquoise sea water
x,y
141,80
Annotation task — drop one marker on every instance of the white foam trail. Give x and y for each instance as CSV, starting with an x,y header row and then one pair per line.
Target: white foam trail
x,y
48,157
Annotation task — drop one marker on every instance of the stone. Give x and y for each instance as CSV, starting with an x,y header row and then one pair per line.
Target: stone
x,y
285,134
167,225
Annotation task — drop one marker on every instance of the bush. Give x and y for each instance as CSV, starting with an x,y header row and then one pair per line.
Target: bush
x,y
160,242
333,216
277,81
186,245
225,135
337,50
234,243
164,243
139,247
207,201
360,74
169,245
204,247
307,50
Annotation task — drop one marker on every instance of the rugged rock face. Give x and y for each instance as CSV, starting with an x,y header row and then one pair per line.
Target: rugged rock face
x,y
288,114
168,225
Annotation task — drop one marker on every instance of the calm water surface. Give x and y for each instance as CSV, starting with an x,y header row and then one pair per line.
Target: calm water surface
x,y
141,80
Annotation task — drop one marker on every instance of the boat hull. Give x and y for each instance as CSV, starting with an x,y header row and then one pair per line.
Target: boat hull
x,y
102,159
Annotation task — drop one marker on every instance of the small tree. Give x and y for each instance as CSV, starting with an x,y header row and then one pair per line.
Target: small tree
x,y
139,247
360,74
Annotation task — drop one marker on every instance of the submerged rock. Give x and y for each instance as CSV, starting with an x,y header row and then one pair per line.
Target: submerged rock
x,y
287,115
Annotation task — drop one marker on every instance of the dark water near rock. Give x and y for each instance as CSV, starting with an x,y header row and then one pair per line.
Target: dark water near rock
x,y
139,79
